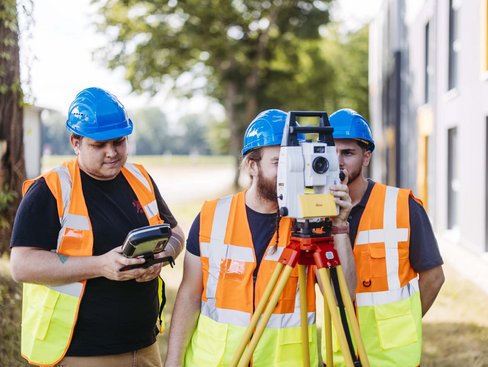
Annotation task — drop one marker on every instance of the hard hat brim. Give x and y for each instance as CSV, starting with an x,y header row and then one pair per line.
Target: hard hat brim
x,y
105,135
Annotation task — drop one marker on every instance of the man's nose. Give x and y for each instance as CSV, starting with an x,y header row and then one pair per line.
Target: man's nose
x,y
341,160
110,149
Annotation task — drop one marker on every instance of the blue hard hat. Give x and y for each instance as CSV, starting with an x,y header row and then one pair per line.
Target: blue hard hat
x,y
99,115
265,130
348,124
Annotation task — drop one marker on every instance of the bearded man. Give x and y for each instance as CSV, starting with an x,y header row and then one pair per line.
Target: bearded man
x,y
232,250
398,263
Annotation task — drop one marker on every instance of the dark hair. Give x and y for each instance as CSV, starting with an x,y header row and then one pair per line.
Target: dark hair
x,y
254,155
76,136
363,145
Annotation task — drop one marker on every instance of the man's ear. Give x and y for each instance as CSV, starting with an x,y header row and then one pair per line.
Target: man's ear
x,y
75,143
366,158
252,167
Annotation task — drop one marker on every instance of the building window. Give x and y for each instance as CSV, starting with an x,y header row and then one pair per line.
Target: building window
x,y
454,46
428,69
452,178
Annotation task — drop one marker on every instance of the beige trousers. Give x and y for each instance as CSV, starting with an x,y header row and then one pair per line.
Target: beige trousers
x,y
146,357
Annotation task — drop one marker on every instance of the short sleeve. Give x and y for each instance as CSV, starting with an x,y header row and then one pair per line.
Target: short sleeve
x,y
193,241
424,251
37,223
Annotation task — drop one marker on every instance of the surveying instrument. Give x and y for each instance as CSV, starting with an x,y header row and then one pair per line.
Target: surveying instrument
x,y
306,166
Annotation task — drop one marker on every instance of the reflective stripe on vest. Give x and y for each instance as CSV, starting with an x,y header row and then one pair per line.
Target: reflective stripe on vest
x,y
229,298
217,251
383,234
387,292
383,298
241,318
390,235
150,206
70,289
49,313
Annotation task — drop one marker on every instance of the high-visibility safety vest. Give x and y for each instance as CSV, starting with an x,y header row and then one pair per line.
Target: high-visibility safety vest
x,y
387,292
229,296
49,313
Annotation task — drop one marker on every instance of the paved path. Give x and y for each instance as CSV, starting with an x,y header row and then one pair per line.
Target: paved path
x,y
182,185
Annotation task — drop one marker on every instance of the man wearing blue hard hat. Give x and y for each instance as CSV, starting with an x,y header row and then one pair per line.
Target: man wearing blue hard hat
x,y
232,250
79,307
398,264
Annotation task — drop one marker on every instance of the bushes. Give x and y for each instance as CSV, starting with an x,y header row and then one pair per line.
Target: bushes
x,y
7,212
10,311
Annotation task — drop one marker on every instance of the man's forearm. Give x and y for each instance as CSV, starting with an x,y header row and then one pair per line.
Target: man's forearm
x,y
45,267
430,283
176,243
183,322
344,250
35,265
186,311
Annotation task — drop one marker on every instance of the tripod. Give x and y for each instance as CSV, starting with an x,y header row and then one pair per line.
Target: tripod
x,y
308,246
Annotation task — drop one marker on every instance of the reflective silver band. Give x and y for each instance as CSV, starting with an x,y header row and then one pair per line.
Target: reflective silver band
x,y
386,297
71,289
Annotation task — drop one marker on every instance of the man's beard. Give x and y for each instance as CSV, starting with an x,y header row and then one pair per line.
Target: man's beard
x,y
266,188
353,175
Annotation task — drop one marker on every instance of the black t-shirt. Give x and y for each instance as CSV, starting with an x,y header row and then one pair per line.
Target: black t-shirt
x,y
114,316
262,226
424,251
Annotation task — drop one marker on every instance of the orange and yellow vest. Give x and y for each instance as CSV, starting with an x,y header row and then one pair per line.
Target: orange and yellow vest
x,y
49,313
387,292
229,296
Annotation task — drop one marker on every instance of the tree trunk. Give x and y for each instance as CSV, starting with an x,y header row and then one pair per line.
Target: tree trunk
x,y
12,165
231,91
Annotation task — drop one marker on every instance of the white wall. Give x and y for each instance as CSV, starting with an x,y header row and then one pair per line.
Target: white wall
x,y
32,141
465,108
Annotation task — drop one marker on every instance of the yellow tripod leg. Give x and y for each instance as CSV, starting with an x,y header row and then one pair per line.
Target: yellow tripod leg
x,y
302,279
329,358
266,316
329,297
257,314
353,322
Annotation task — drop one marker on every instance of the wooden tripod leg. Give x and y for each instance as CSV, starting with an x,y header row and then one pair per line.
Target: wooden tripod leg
x,y
266,316
329,356
351,316
302,279
329,297
257,314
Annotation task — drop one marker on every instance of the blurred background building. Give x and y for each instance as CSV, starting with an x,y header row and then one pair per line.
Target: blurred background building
x,y
428,77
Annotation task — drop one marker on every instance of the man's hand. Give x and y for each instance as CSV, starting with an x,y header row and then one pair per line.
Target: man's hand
x,y
343,200
112,261
164,254
150,273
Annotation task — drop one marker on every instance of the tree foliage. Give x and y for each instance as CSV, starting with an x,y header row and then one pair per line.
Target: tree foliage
x,y
55,138
154,135
12,165
192,136
349,54
150,131
248,55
